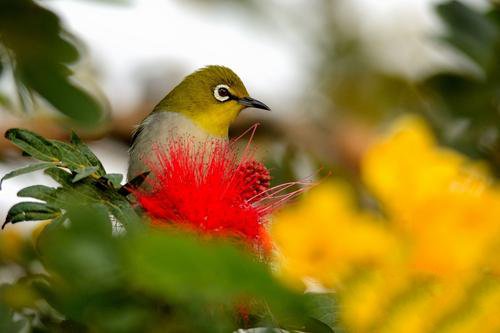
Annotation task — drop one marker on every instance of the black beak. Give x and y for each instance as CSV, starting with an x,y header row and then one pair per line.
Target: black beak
x,y
253,103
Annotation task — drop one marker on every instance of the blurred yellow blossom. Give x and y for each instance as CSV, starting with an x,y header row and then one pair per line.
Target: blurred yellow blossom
x,y
409,162
325,234
446,202
430,265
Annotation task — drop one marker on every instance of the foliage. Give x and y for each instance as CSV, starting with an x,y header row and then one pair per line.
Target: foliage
x,y
81,176
469,101
39,53
141,281
98,278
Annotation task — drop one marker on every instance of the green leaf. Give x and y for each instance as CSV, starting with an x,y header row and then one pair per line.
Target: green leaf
x,y
323,309
84,149
84,173
7,322
51,81
91,287
89,220
470,31
85,251
464,106
40,192
71,157
31,211
316,326
115,179
26,169
34,144
76,156
90,191
59,175
42,50
179,267
77,186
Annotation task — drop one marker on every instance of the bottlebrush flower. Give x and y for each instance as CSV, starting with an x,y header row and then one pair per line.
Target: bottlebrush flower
x,y
207,188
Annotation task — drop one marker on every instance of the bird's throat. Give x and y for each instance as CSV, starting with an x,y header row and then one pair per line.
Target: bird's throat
x,y
216,120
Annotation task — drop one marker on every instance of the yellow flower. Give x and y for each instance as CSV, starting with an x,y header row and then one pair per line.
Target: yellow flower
x,y
453,234
432,265
406,168
367,296
443,201
324,235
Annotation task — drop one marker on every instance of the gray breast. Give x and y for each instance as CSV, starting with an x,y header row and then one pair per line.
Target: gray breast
x,y
156,131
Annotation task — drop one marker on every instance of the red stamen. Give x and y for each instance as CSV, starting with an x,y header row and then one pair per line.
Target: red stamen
x,y
204,187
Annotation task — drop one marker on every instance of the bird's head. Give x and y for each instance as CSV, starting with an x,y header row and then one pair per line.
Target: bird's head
x,y
211,97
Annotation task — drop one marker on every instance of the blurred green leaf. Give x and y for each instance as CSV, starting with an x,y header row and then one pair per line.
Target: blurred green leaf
x,y
148,281
322,308
83,260
84,173
115,179
26,169
90,249
40,53
7,322
121,316
181,267
317,326
464,108
51,81
31,211
470,32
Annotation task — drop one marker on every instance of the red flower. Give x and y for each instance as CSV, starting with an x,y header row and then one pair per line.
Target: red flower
x,y
205,187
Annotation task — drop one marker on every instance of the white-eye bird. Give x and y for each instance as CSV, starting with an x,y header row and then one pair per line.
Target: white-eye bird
x,y
202,107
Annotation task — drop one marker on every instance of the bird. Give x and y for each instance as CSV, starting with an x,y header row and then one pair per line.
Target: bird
x,y
202,106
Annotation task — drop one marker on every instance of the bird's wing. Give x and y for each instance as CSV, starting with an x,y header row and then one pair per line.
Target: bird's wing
x,y
135,134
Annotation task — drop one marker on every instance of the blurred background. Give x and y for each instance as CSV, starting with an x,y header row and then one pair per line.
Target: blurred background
x,y
334,73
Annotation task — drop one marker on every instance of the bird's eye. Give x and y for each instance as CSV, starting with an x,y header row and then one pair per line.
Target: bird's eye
x,y
221,93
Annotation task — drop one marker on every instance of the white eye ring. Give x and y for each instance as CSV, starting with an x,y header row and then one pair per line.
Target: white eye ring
x,y
218,96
